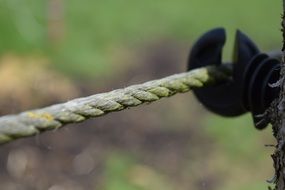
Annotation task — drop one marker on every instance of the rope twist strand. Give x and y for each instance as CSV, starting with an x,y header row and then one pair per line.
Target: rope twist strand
x,y
34,122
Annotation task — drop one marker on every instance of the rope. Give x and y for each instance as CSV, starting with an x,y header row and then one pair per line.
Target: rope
x,y
36,121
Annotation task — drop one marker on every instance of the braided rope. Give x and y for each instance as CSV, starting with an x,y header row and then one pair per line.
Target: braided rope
x,y
33,122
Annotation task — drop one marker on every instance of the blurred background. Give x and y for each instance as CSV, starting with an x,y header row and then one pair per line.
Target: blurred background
x,y
52,51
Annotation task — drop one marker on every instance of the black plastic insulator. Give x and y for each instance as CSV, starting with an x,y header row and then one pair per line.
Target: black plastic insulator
x,y
224,99
258,93
253,72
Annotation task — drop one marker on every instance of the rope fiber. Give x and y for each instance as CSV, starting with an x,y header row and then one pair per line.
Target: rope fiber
x,y
36,121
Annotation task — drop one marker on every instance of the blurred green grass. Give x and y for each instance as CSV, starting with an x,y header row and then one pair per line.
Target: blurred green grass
x,y
237,155
123,171
242,146
95,30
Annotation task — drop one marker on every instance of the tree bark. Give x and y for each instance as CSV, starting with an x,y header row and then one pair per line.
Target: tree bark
x,y
277,116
